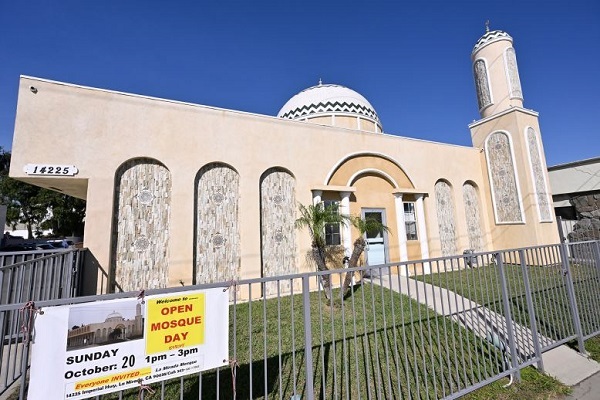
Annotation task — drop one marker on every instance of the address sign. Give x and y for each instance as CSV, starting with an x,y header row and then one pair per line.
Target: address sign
x,y
50,170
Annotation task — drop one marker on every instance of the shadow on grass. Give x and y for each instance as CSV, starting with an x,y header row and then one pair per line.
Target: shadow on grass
x,y
375,365
375,344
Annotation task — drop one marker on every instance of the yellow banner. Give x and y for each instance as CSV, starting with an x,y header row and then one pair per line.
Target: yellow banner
x,y
174,322
114,378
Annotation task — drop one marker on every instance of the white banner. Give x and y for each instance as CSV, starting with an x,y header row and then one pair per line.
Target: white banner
x,y
85,350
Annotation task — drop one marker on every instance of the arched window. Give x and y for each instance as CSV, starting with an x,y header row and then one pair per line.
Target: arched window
x,y
503,181
482,84
277,217
141,225
514,83
538,176
217,253
471,202
445,216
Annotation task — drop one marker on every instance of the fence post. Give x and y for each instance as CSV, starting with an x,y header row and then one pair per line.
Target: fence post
x,y
597,256
568,277
534,331
308,356
24,367
67,266
561,232
508,317
26,322
75,273
2,284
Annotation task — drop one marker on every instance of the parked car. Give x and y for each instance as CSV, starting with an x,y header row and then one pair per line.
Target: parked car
x,y
46,246
61,243
19,247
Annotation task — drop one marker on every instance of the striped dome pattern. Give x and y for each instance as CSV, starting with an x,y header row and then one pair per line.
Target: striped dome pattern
x,y
327,100
490,37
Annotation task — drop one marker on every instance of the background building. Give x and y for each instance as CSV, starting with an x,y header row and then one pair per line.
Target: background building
x,y
576,196
180,192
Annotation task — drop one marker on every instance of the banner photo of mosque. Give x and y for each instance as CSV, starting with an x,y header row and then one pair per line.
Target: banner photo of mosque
x,y
104,324
113,344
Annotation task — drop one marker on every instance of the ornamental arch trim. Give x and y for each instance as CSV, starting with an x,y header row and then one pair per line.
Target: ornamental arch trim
x,y
401,173
137,160
374,171
274,169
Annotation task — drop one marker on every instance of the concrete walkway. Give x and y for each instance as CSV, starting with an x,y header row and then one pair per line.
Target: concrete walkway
x,y
562,363
589,389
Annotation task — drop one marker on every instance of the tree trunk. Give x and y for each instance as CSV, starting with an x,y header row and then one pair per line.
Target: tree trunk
x,y
359,247
319,257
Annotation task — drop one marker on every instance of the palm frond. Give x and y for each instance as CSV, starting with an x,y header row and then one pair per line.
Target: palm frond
x,y
316,216
369,224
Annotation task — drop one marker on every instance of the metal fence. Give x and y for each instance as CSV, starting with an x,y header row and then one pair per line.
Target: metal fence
x,y
39,275
30,276
395,333
576,230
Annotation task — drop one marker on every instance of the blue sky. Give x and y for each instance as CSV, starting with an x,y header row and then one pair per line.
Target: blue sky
x,y
411,60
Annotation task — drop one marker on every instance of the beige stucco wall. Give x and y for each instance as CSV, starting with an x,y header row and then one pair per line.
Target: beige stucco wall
x,y
98,130
532,232
343,121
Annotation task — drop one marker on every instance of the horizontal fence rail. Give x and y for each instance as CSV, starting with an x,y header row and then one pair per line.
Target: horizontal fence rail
x,y
428,329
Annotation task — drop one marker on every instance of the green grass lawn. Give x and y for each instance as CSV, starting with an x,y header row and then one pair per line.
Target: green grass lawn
x,y
592,346
376,344
533,386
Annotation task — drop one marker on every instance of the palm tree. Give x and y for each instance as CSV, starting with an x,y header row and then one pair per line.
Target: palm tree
x,y
316,218
363,226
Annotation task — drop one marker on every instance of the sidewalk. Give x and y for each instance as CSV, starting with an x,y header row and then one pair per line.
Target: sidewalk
x,y
588,389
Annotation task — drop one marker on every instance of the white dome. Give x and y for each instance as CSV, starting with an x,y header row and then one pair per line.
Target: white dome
x,y
114,316
328,100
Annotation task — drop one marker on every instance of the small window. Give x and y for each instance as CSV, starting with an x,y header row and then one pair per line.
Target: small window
x,y
410,221
333,235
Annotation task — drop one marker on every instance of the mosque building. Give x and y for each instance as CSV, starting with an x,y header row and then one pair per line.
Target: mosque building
x,y
186,193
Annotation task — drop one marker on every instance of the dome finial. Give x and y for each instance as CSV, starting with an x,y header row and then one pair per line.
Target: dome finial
x,y
487,26
320,82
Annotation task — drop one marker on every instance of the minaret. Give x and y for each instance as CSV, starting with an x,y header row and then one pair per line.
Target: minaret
x,y
509,135
496,74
